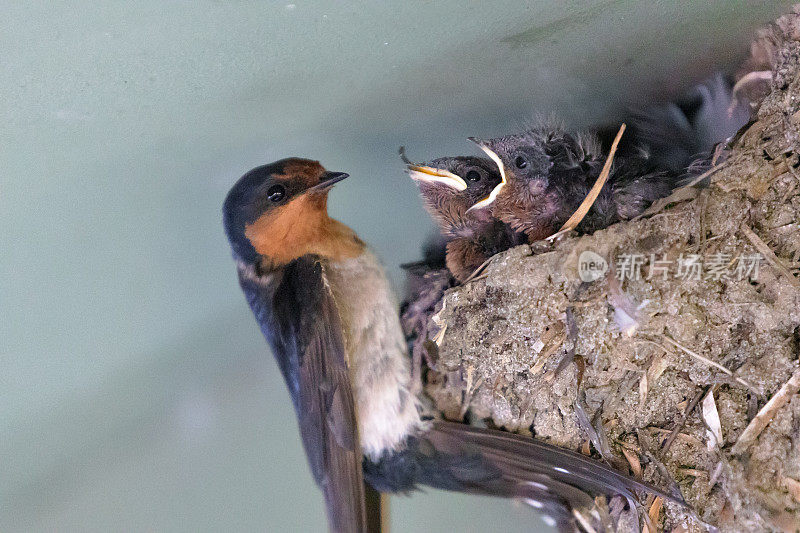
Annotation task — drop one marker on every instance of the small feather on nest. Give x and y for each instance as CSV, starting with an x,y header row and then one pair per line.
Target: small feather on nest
x,y
712,421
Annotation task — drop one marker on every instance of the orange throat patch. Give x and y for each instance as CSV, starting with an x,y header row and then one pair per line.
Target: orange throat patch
x,y
302,227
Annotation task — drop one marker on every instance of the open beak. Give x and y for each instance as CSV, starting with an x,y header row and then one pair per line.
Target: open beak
x,y
436,175
485,202
328,180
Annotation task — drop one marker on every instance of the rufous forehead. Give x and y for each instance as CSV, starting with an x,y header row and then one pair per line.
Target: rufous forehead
x,y
306,170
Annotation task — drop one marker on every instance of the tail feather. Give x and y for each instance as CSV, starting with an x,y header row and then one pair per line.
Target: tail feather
x,y
559,482
515,454
558,503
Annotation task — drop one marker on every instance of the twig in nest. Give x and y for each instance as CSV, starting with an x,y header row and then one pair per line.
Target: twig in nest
x,y
765,415
689,408
709,362
601,507
694,472
648,526
769,255
685,437
718,150
427,350
624,386
578,215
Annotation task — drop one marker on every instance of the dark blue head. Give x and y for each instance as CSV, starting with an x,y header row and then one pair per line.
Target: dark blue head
x,y
280,199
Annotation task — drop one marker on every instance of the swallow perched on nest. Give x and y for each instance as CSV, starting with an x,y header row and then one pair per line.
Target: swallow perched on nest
x,y
327,310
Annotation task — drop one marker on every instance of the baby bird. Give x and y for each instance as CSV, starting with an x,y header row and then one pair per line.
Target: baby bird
x,y
546,171
449,187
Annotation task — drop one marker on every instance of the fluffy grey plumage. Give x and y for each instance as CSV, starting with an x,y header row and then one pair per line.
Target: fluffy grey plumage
x,y
549,170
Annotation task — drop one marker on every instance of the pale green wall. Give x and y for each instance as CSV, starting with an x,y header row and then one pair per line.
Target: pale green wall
x,y
136,392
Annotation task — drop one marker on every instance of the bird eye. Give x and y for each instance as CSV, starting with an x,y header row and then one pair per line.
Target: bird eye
x,y
520,162
473,175
276,193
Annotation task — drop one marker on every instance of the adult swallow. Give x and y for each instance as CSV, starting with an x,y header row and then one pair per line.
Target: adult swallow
x,y
326,308
449,187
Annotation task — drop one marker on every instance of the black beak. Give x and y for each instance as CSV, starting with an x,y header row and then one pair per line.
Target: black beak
x,y
328,180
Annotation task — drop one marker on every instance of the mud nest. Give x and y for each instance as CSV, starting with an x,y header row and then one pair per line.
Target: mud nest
x,y
659,372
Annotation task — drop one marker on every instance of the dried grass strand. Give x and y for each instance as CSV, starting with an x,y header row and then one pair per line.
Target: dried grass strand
x,y
769,255
766,414
573,221
709,362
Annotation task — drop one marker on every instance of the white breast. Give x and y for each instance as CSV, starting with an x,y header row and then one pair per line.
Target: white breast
x,y
377,354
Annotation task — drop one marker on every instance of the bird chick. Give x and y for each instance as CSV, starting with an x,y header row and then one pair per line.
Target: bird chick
x,y
449,187
546,171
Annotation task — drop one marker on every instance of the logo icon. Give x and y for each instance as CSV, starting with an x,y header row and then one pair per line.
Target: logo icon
x,y
591,266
